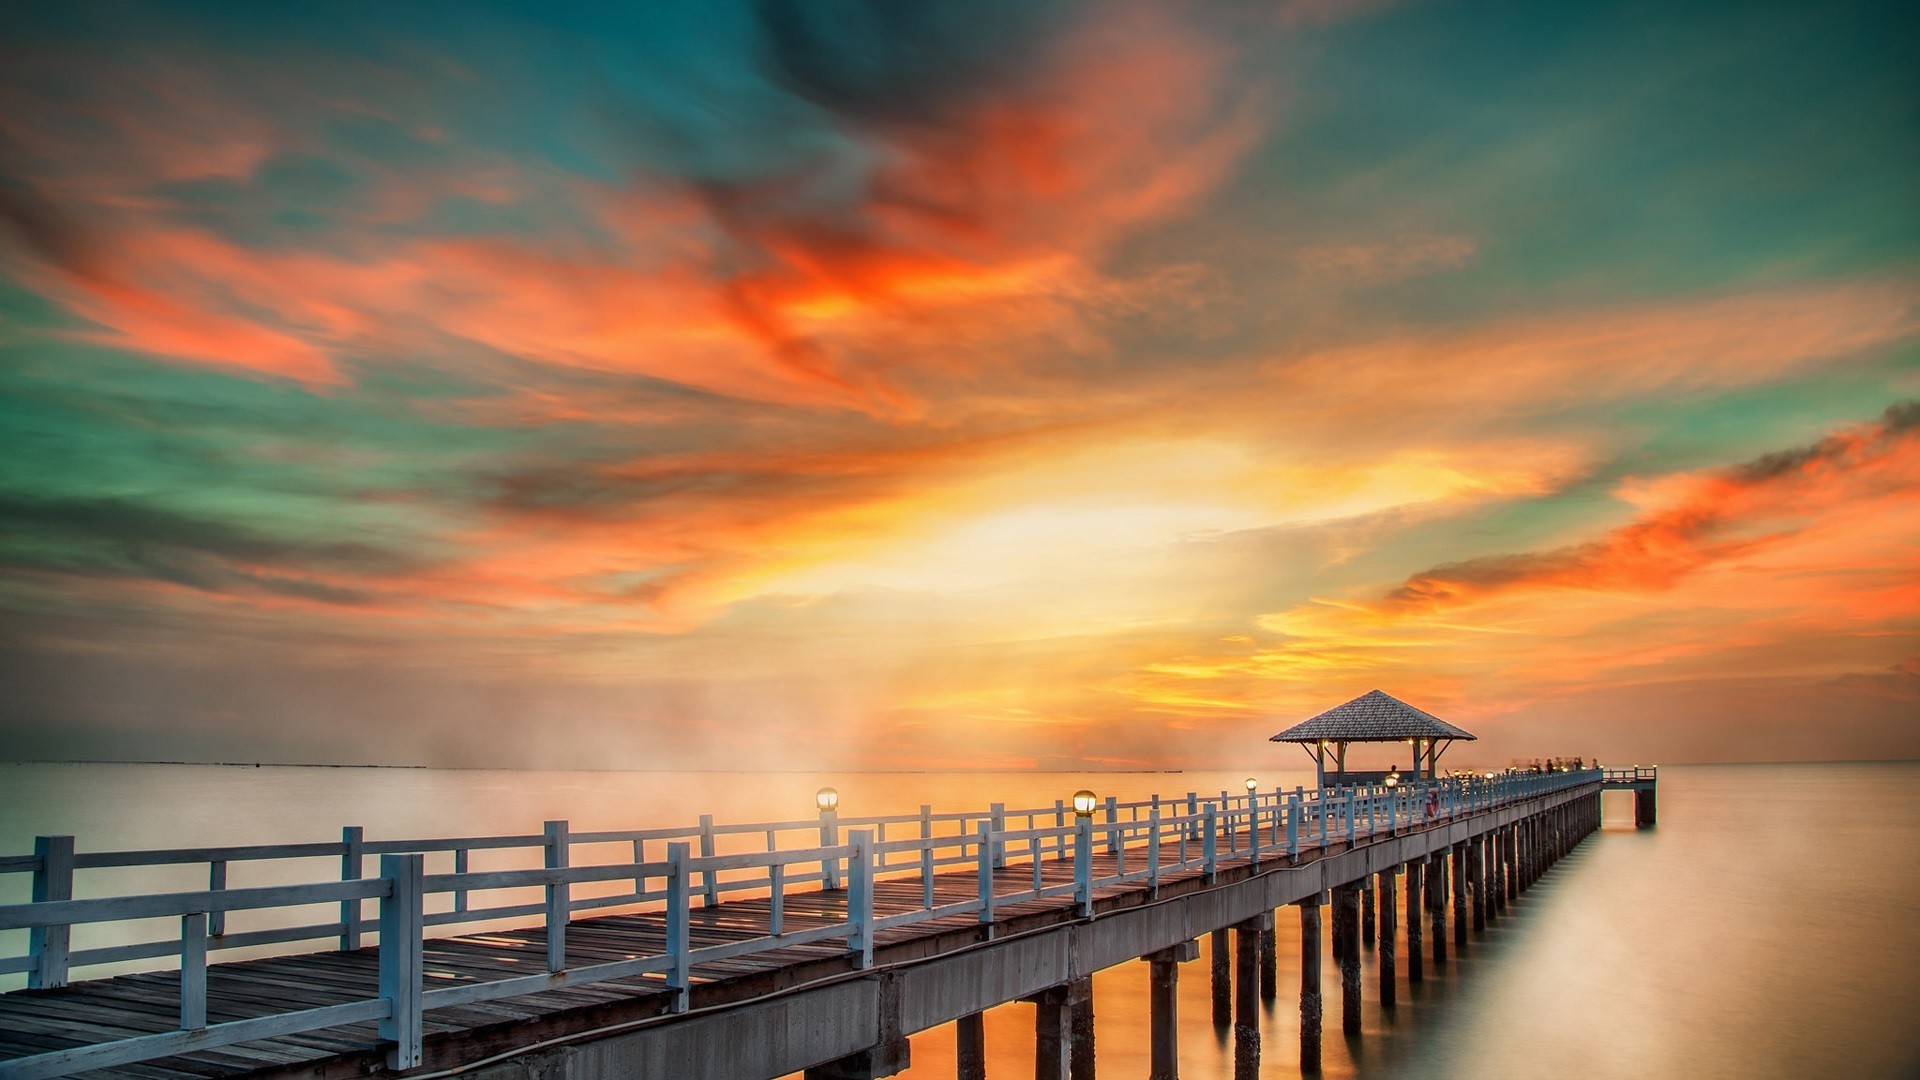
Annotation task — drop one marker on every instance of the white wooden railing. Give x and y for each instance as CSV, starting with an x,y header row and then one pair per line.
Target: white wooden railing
x,y
1151,839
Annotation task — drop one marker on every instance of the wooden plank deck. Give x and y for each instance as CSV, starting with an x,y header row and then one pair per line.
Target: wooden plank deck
x,y
37,1021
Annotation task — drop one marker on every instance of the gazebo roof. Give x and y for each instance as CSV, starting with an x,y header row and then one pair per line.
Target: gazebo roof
x,y
1372,717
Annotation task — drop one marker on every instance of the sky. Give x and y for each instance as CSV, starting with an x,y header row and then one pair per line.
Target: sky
x,y
994,384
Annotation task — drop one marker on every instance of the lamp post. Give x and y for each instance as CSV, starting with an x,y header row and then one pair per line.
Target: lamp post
x,y
828,800
1083,804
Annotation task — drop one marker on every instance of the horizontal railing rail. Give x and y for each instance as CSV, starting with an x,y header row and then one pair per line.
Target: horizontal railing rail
x,y
1147,840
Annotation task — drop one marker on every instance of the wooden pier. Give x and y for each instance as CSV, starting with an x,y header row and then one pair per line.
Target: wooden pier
x,y
658,953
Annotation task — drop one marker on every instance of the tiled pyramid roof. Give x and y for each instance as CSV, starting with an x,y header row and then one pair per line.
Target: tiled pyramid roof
x,y
1372,717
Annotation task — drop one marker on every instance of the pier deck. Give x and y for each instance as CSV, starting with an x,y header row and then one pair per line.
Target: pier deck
x,y
776,940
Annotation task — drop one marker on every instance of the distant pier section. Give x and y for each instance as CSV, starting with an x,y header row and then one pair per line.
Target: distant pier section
x,y
1643,781
742,950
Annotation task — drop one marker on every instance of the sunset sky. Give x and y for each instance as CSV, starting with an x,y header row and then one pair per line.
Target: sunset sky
x,y
956,384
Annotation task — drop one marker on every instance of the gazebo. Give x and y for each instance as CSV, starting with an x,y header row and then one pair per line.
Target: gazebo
x,y
1373,717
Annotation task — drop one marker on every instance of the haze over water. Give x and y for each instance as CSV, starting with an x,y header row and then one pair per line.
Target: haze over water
x,y
1763,929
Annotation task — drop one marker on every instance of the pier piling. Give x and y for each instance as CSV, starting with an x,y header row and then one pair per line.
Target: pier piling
x,y
970,1037
1220,960
1346,950
1310,983
1387,943
1246,993
1460,894
1415,897
1163,983
1367,918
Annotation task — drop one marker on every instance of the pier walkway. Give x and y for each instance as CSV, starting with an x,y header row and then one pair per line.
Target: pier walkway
x,y
749,950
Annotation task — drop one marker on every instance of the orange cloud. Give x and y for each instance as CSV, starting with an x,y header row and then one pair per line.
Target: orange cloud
x,y
1699,520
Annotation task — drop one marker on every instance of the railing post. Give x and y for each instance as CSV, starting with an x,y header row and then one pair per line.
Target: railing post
x,y
1193,815
679,903
52,880
1153,851
1113,816
193,971
1350,817
1060,822
860,898
983,857
559,895
776,898
1210,840
402,932
1320,811
1083,864
352,866
708,876
217,882
999,812
1253,829
926,856
1293,825
829,838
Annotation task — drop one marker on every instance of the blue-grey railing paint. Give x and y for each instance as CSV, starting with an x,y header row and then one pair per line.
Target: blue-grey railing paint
x,y
403,885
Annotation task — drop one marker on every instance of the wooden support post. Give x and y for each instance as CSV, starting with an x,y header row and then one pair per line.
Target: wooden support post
x,y
1163,999
679,929
1310,983
1269,962
1460,894
402,940
1415,919
1509,875
970,1033
1080,1029
1053,1032
1477,870
1644,808
1437,907
1221,963
47,946
559,895
1367,917
352,865
193,971
1387,942
1246,993
1346,950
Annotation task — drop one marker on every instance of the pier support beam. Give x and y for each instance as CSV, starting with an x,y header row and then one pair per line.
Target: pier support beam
x,y
1310,983
1080,1030
1509,842
1437,906
1643,808
970,1038
1460,895
1367,918
1477,869
1246,993
1053,1028
1269,963
1346,950
1415,897
1387,943
1163,999
1220,960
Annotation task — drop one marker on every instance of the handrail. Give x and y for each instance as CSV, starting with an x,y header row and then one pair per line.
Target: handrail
x,y
1149,839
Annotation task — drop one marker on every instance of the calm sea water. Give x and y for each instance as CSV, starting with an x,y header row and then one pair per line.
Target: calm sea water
x,y
1768,926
